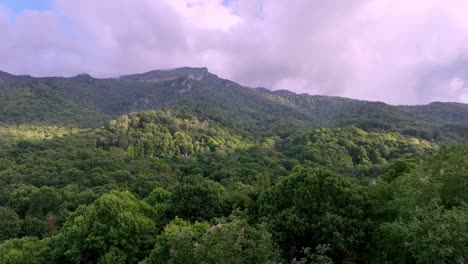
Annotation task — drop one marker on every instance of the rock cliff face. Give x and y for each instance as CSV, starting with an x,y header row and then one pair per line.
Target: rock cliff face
x,y
164,75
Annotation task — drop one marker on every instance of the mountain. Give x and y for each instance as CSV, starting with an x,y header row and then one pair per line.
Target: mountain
x,y
85,101
182,166
37,103
439,112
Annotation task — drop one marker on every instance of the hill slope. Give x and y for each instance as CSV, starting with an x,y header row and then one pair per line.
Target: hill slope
x,y
92,101
192,168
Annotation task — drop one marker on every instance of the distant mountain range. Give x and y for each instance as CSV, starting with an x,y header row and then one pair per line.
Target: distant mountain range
x,y
84,101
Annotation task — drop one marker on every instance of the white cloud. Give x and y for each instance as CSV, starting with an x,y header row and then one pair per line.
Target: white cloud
x,y
459,89
392,50
207,14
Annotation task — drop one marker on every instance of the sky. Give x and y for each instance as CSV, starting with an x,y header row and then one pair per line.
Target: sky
x,y
395,51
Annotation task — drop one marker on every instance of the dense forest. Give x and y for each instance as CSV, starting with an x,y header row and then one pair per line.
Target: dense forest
x,y
181,166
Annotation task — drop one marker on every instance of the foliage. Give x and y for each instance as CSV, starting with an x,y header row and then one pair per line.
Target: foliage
x,y
423,217
196,198
162,134
232,240
38,103
313,207
115,226
213,172
24,250
10,223
352,147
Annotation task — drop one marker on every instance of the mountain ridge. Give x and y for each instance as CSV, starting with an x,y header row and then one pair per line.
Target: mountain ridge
x,y
173,73
216,98
133,169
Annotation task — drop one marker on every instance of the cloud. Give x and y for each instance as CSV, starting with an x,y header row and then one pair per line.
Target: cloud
x,y
390,50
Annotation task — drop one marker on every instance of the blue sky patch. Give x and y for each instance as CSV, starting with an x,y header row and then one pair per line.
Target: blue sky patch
x,y
22,5
227,2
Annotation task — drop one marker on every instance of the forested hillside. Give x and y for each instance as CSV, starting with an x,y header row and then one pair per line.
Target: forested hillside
x,y
89,102
181,166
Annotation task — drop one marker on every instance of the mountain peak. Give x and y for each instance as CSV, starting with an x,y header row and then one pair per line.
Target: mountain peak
x,y
284,92
190,69
83,76
195,73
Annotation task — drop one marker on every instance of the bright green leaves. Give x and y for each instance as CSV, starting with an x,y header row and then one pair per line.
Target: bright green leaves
x,y
345,148
230,241
235,241
166,134
177,243
24,250
117,225
423,211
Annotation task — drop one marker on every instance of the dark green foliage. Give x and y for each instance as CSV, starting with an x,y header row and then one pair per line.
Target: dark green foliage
x,y
10,224
86,101
453,132
40,104
429,236
319,256
440,112
213,172
313,207
229,241
196,198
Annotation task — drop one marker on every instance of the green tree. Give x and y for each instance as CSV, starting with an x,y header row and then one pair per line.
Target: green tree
x,y
231,241
24,250
197,199
422,213
429,236
20,199
115,226
177,243
184,143
33,226
313,207
234,241
45,200
10,223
